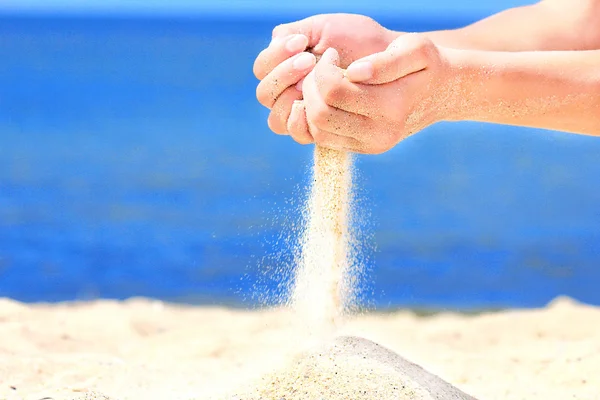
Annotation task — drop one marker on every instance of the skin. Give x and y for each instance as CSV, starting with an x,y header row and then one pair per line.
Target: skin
x,y
384,98
355,36
373,117
430,77
558,90
547,25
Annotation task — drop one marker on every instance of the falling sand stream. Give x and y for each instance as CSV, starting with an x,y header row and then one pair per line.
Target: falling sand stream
x,y
322,289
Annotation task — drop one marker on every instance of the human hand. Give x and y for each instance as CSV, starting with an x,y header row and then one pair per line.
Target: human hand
x,y
284,64
378,101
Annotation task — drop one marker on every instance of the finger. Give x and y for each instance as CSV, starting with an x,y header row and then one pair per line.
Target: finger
x,y
335,142
315,28
286,74
408,54
281,110
327,86
330,76
278,51
341,122
332,119
330,57
297,125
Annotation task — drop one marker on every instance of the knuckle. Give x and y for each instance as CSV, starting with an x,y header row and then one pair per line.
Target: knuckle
x,y
382,145
426,42
275,124
276,30
331,95
259,66
283,107
283,104
330,91
300,132
425,47
279,30
268,90
413,44
319,136
321,116
256,70
329,83
301,138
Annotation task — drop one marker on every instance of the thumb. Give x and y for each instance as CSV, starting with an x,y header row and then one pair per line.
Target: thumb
x,y
331,56
405,55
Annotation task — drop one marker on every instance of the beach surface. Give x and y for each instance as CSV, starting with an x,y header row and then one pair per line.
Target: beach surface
x,y
145,349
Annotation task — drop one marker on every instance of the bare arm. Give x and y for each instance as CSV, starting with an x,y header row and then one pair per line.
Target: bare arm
x,y
551,90
547,25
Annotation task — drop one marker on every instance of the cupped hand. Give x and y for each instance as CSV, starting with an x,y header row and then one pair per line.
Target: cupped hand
x,y
291,56
378,101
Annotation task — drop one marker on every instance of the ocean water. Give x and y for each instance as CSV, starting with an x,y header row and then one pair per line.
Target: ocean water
x,y
135,161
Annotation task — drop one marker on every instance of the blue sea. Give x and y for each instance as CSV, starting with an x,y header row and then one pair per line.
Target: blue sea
x,y
135,161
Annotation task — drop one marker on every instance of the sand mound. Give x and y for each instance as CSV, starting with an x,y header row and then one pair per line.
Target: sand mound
x,y
144,350
352,368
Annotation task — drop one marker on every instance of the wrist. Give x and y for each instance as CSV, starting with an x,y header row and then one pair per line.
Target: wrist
x,y
454,39
391,35
461,80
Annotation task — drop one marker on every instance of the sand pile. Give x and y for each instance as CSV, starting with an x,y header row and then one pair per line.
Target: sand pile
x,y
352,368
347,367
141,349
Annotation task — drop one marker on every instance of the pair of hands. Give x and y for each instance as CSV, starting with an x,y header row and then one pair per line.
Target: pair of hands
x,y
393,85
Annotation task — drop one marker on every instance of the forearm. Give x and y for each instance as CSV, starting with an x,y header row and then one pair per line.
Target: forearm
x,y
547,25
551,90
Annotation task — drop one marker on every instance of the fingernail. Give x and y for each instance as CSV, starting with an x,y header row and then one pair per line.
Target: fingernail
x,y
299,85
296,108
293,116
328,52
303,61
360,71
296,43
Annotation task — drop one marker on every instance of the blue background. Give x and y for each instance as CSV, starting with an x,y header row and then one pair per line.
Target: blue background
x,y
135,160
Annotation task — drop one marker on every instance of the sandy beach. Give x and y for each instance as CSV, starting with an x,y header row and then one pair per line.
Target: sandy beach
x,y
143,349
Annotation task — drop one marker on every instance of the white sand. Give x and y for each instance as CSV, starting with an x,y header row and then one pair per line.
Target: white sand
x,y
351,368
146,350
